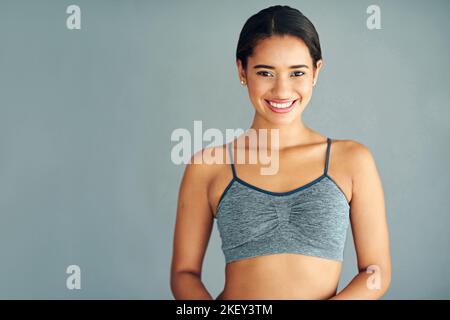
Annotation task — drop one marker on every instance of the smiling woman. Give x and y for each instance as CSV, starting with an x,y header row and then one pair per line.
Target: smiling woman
x,y
281,68
283,236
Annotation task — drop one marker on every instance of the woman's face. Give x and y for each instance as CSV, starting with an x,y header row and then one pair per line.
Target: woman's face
x,y
280,70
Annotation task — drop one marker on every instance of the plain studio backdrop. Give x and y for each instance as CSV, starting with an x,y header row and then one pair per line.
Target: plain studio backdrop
x,y
86,117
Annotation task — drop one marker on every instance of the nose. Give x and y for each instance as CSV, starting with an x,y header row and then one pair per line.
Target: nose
x,y
282,89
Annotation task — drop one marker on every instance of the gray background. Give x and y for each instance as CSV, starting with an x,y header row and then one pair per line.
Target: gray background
x,y
86,118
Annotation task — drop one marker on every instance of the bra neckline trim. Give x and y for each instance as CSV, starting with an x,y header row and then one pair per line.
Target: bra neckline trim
x,y
285,193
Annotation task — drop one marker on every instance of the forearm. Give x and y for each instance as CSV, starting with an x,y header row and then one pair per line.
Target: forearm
x,y
365,286
188,286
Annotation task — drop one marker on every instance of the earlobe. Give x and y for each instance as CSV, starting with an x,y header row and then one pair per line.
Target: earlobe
x,y
316,71
241,73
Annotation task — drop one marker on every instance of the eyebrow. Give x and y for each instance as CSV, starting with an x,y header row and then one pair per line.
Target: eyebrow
x,y
270,67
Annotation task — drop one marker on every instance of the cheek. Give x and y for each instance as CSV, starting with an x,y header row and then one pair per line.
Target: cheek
x,y
258,89
305,88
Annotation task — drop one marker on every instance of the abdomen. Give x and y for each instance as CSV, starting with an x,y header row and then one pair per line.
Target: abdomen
x,y
281,276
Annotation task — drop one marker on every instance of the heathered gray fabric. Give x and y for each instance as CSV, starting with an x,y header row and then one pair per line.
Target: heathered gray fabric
x,y
310,220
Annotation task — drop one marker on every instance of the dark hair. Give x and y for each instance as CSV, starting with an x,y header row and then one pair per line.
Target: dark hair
x,y
277,20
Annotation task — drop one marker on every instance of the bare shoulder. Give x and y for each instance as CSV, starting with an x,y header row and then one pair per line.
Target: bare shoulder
x,y
359,155
353,157
355,152
202,166
360,162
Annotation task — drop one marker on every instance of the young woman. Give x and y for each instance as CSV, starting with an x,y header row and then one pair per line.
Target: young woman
x,y
283,235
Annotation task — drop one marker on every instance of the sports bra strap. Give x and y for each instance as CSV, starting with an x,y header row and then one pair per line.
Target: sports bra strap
x,y
327,156
230,145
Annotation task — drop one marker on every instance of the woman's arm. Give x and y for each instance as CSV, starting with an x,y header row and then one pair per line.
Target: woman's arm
x,y
194,222
369,228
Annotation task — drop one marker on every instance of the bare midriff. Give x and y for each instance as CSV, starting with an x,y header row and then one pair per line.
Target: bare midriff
x,y
281,276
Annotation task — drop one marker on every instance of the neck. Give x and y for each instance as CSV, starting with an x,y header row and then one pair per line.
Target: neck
x,y
292,134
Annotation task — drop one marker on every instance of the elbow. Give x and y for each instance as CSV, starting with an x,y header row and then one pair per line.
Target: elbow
x,y
175,284
385,281
385,278
378,281
180,280
172,285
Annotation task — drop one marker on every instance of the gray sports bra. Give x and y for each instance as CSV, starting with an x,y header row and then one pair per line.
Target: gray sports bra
x,y
309,220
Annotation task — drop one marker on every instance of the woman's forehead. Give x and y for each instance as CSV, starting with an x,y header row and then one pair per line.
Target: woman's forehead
x,y
281,51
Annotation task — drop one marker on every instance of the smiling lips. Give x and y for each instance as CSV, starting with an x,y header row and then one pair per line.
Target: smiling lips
x,y
284,107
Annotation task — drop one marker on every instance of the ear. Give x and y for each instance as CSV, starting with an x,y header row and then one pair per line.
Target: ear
x,y
316,71
241,71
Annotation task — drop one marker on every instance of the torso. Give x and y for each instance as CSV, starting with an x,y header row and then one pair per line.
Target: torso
x,y
285,276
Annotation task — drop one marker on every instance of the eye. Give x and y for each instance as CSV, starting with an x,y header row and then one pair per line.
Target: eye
x,y
262,72
302,73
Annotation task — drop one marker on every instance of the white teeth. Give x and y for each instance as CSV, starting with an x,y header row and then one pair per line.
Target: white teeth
x,y
281,105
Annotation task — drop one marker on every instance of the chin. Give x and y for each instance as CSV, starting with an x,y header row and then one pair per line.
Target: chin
x,y
282,121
